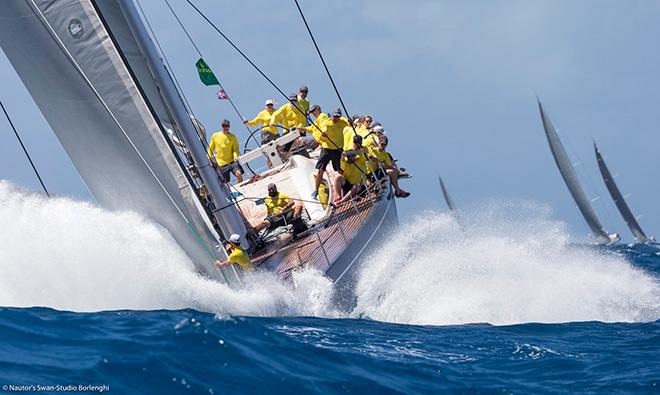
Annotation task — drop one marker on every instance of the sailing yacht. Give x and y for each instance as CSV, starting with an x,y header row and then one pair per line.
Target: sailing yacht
x,y
571,179
100,82
619,199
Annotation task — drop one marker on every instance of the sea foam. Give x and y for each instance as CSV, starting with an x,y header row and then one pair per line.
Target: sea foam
x,y
512,265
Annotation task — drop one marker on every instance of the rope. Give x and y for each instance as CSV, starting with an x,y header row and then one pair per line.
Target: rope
x,y
201,56
24,149
318,51
253,65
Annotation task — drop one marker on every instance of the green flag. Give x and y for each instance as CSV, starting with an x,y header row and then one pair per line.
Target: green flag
x,y
205,73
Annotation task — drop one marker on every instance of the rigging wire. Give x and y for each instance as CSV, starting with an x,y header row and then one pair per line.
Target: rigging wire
x,y
24,149
325,66
231,102
80,71
262,73
286,97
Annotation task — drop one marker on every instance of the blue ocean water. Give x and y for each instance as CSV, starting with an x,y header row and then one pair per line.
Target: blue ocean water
x,y
187,351
100,301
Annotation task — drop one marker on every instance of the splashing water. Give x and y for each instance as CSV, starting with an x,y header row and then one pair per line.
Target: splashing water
x,y
70,255
514,265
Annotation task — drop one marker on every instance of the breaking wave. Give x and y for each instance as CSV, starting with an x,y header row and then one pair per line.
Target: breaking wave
x,y
512,264
516,266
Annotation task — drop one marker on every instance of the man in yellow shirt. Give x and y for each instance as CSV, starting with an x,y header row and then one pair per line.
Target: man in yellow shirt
x,y
223,151
351,181
281,210
331,139
303,105
288,115
237,255
383,160
268,132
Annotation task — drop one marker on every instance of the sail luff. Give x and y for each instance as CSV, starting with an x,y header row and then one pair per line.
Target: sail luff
x,y
570,178
619,200
73,71
229,219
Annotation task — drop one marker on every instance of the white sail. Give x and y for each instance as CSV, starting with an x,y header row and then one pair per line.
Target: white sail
x,y
571,180
619,200
111,126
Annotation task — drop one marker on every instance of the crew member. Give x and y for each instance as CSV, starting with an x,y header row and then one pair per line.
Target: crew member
x,y
382,158
223,150
281,210
237,255
268,132
331,139
351,180
302,106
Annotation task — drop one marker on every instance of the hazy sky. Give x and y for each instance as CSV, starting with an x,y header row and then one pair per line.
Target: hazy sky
x,y
452,82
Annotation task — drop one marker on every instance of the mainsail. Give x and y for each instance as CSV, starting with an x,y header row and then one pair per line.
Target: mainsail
x,y
106,108
570,177
619,200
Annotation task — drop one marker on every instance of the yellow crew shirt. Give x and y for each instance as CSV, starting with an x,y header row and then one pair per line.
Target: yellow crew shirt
x,y
241,258
334,132
263,119
353,172
224,146
275,205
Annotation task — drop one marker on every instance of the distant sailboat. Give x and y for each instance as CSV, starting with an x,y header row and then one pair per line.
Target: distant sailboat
x,y
619,200
572,182
450,203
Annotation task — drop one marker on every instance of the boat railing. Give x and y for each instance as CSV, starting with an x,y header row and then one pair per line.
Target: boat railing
x,y
371,192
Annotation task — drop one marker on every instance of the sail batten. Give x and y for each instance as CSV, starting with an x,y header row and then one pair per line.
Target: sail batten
x,y
571,179
619,200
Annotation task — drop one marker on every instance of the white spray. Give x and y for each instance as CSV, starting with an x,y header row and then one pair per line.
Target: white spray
x,y
72,255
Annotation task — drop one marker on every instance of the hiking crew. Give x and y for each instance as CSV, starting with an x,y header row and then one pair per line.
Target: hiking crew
x,y
223,151
352,179
383,159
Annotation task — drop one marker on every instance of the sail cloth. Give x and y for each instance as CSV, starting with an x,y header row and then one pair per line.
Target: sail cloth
x,y
70,65
570,178
450,204
619,200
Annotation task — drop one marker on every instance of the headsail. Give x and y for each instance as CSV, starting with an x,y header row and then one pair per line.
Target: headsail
x,y
111,125
571,180
619,200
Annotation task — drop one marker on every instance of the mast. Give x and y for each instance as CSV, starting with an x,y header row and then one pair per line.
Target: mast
x,y
571,179
107,114
227,214
619,200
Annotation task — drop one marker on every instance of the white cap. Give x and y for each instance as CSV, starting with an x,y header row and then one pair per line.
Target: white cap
x,y
235,238
378,129
270,101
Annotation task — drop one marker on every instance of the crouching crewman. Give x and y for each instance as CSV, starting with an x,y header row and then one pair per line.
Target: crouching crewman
x,y
236,255
282,210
